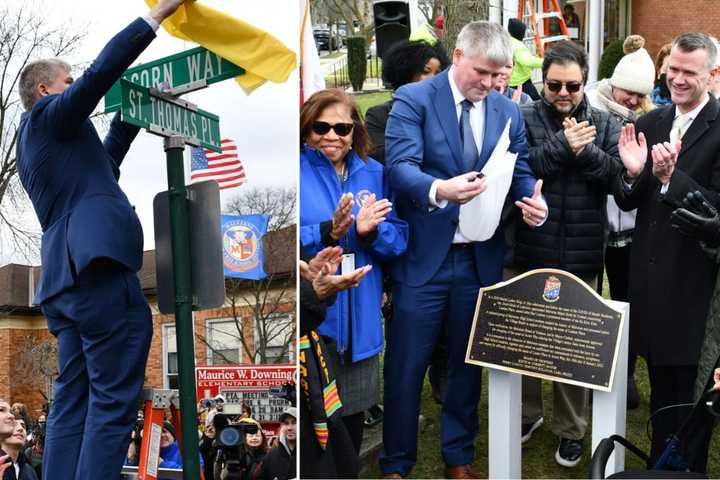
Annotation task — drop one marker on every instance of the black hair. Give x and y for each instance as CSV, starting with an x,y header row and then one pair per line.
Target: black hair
x,y
516,28
405,60
565,52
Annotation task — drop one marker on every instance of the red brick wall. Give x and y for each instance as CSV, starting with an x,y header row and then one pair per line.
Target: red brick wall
x,y
5,383
154,371
659,21
11,341
30,392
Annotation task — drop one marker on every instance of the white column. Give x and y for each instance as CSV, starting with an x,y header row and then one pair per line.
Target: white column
x,y
595,26
504,420
609,408
509,10
496,15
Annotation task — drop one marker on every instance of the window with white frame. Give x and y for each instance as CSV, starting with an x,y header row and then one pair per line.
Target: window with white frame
x,y
170,358
223,342
279,328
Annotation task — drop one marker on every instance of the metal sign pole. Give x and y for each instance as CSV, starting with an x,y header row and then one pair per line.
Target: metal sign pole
x,y
179,227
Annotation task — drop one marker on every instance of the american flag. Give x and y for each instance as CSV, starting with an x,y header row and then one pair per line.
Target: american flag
x,y
225,168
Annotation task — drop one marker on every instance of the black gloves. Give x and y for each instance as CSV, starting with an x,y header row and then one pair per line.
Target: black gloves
x,y
698,219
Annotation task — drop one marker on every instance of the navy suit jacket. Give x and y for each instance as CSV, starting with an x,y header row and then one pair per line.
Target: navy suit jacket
x,y
72,177
422,142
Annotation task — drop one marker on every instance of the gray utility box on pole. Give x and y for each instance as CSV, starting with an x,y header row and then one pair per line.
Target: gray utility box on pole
x,y
208,281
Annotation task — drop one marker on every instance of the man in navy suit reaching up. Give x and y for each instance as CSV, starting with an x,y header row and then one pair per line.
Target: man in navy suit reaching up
x,y
91,250
439,136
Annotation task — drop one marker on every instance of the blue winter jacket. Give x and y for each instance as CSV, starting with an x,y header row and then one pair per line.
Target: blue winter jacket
x,y
320,191
172,458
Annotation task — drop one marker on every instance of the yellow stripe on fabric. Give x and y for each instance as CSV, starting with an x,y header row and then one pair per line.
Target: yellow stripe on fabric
x,y
321,432
332,399
263,56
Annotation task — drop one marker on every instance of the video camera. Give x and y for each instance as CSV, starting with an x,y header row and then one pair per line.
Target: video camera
x,y
230,443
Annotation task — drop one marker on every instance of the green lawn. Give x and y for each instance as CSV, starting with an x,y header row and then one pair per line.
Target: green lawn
x,y
335,54
367,100
539,453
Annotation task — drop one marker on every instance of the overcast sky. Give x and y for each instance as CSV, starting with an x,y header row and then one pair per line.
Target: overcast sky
x,y
263,124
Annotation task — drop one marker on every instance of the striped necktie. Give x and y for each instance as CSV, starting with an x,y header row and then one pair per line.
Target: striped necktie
x,y
470,151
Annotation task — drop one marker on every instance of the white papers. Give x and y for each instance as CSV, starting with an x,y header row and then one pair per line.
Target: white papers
x,y
480,217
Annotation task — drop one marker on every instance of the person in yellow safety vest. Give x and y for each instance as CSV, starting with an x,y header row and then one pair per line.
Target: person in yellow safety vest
x,y
524,60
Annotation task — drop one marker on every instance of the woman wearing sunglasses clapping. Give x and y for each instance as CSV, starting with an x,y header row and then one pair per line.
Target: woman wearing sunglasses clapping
x,y
345,201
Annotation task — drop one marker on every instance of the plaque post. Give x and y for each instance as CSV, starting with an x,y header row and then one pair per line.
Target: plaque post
x,y
609,408
504,419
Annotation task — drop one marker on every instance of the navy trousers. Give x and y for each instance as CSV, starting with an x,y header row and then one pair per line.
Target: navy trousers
x,y
103,327
448,299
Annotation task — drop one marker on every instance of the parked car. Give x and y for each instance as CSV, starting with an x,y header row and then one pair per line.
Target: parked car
x,y
323,39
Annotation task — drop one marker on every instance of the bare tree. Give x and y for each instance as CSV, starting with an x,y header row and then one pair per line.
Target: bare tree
x,y
25,35
36,364
349,11
268,332
278,202
430,9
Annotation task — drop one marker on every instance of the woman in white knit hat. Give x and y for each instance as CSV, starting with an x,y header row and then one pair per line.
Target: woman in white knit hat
x,y
626,96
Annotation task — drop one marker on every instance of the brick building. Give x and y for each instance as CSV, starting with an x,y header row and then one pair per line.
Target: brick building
x,y
659,21
28,362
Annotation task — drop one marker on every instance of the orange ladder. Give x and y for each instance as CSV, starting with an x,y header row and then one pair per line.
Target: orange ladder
x,y
547,9
156,402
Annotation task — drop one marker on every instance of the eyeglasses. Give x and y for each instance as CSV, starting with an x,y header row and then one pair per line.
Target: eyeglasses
x,y
342,129
555,87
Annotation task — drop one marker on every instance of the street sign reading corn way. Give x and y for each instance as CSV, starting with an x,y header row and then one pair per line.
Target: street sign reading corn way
x,y
165,116
188,68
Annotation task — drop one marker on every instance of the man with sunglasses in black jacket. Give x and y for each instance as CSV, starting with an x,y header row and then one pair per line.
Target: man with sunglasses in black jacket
x,y
573,149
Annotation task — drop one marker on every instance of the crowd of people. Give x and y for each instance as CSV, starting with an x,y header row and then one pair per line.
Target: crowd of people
x,y
253,457
619,176
256,457
22,441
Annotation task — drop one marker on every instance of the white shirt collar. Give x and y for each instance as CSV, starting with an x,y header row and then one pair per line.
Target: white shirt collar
x,y
695,111
457,96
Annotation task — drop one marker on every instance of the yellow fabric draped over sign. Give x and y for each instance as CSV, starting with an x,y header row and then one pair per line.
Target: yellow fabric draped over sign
x,y
263,56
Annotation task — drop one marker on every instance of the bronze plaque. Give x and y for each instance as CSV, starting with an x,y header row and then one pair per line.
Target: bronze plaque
x,y
549,324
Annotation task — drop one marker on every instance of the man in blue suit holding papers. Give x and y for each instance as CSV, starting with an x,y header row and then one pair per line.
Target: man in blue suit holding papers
x,y
440,134
91,250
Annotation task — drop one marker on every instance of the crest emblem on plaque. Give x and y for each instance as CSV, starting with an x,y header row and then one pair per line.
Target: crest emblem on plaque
x,y
551,293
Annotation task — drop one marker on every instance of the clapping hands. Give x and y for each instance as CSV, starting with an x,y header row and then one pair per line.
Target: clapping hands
x,y
579,135
633,152
372,214
342,217
321,272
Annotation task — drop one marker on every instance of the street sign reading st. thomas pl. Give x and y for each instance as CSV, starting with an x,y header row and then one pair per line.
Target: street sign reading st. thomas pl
x,y
178,70
165,116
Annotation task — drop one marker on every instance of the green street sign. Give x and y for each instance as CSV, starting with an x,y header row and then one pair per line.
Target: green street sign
x,y
166,116
196,67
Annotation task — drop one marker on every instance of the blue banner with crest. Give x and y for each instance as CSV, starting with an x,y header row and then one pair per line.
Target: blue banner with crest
x,y
242,238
